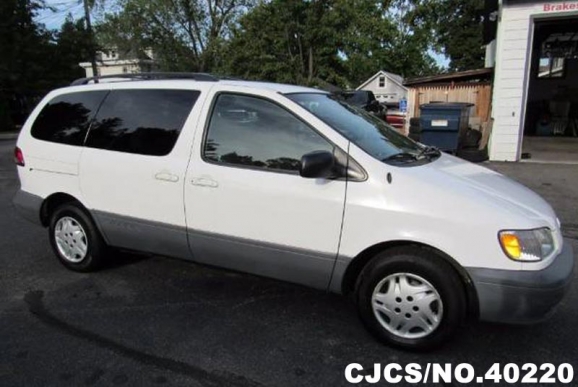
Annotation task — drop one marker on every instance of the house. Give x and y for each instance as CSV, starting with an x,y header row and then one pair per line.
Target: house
x,y
535,97
388,88
113,61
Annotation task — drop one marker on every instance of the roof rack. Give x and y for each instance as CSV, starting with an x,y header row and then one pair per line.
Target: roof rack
x,y
148,76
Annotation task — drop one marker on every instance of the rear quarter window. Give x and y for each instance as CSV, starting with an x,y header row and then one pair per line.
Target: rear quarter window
x,y
141,121
66,118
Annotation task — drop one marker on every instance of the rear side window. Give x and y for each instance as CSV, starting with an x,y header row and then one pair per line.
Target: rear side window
x,y
65,119
141,121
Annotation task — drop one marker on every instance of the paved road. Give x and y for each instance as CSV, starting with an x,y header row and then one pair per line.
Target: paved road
x,y
157,321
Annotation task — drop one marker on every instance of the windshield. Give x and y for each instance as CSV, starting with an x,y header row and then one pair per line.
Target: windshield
x,y
369,133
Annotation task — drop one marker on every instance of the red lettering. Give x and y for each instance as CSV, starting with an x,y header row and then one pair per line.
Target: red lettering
x,y
561,7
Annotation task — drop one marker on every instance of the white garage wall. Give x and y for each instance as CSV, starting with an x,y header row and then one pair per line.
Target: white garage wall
x,y
514,44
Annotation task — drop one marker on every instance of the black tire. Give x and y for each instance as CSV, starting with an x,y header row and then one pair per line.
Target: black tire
x,y
412,261
96,248
471,139
414,121
473,155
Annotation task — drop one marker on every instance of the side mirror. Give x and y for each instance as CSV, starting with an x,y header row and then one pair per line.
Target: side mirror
x,y
317,164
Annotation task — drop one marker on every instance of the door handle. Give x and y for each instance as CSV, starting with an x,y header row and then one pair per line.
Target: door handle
x,y
204,182
165,176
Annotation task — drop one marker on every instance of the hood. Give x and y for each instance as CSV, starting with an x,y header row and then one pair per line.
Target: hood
x,y
478,181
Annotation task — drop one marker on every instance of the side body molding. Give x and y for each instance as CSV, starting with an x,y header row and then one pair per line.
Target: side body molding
x,y
284,263
143,235
299,266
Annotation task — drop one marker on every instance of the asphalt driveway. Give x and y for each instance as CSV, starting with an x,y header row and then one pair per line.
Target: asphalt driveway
x,y
157,321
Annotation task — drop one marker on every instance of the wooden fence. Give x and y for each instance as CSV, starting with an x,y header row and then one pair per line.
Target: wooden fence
x,y
479,94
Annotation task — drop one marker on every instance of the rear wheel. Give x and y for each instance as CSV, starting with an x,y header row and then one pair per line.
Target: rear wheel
x,y
75,239
410,298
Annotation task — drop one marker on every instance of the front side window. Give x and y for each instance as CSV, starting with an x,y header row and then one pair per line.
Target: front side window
x,y
368,132
141,121
65,119
252,132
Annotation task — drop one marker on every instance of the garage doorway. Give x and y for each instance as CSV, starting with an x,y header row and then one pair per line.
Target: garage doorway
x,y
551,124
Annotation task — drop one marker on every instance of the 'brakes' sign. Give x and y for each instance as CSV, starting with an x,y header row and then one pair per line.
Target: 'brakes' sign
x,y
561,7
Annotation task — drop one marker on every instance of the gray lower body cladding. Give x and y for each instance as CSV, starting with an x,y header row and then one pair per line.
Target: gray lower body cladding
x,y
300,266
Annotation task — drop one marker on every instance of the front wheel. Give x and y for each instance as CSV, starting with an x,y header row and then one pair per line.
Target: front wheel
x,y
75,239
410,298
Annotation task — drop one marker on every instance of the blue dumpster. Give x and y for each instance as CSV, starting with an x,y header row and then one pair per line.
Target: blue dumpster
x,y
444,124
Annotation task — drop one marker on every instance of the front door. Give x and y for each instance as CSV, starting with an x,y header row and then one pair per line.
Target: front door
x,y
247,207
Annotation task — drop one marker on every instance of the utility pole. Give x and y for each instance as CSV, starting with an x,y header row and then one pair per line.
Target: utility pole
x,y
91,37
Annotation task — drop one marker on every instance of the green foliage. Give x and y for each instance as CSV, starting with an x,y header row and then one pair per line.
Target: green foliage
x,y
385,35
339,41
34,60
185,35
23,49
305,42
287,41
310,42
73,46
457,30
461,35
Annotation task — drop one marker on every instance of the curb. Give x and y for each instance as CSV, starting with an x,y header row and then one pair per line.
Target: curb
x,y
8,136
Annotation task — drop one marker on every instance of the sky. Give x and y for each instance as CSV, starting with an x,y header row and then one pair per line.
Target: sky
x,y
54,19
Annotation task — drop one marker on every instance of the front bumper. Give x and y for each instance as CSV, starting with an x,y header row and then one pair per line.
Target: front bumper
x,y
520,297
28,206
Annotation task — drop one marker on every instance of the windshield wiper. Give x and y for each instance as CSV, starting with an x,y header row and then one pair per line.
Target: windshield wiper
x,y
429,151
401,156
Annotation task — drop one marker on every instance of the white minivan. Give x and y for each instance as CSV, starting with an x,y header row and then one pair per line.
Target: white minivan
x,y
291,183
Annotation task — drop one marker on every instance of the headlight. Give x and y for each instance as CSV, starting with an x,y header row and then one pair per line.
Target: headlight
x,y
527,245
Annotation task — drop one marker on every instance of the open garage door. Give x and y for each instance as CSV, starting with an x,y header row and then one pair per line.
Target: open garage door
x,y
551,125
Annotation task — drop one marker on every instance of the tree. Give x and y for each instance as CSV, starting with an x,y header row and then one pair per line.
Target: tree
x,y
25,49
298,41
288,41
34,60
184,35
457,30
385,35
73,46
340,41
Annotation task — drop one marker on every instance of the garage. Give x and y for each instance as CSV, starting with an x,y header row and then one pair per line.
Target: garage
x,y
535,101
551,124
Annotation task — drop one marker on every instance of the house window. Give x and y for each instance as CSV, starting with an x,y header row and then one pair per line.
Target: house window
x,y
382,81
554,51
551,67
